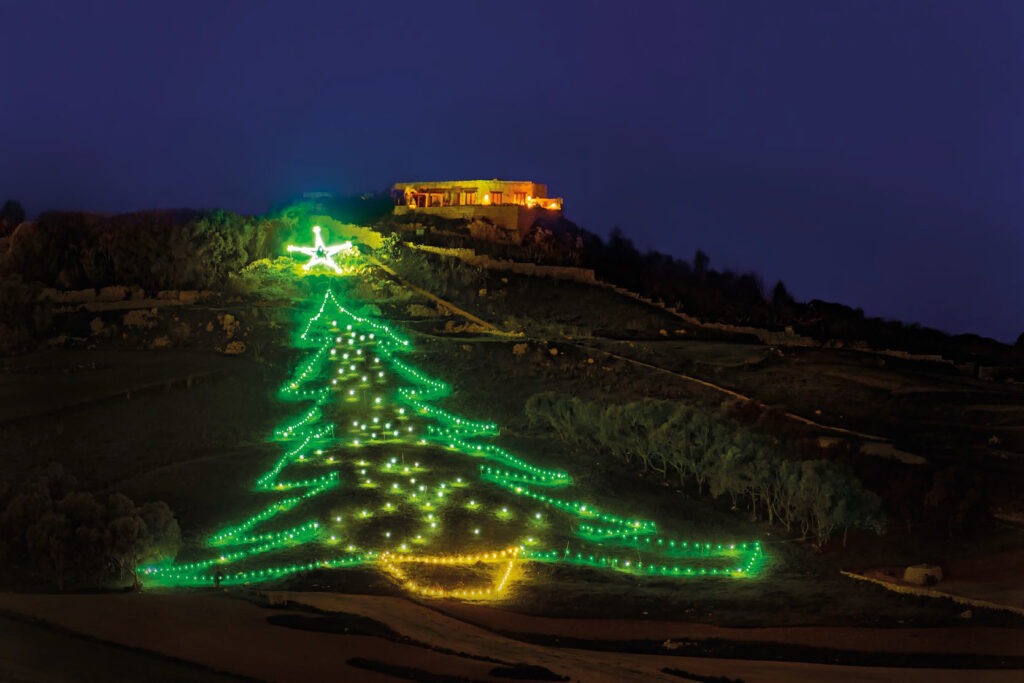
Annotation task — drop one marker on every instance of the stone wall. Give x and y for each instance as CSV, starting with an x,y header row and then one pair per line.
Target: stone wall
x,y
786,337
508,216
931,593
118,298
584,275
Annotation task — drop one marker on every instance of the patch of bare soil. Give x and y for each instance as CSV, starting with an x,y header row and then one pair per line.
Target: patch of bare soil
x,y
969,640
996,578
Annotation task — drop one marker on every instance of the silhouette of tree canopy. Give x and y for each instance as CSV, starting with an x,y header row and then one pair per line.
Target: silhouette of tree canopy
x,y
50,531
11,216
155,250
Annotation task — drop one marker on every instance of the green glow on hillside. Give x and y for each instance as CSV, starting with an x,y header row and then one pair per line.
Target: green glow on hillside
x,y
368,413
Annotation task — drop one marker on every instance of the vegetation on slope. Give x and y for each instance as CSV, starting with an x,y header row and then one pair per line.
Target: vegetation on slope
x,y
697,288
694,443
52,532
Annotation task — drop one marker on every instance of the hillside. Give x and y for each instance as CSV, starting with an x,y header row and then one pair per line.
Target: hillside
x,y
136,390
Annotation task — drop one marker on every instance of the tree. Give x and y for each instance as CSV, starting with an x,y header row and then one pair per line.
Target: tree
x,y
818,496
51,531
373,472
695,443
700,264
48,541
126,535
11,216
139,535
390,247
785,489
88,544
781,298
163,535
859,509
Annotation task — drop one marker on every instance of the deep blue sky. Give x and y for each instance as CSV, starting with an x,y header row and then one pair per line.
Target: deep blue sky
x,y
866,152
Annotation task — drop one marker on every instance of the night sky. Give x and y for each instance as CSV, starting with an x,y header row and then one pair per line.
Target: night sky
x,y
870,153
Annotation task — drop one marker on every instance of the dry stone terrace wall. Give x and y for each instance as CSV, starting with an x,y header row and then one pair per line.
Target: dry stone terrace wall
x,y
153,320
587,276
786,337
118,297
470,256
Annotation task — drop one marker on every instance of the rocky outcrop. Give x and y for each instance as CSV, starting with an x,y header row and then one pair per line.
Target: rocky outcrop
x,y
923,574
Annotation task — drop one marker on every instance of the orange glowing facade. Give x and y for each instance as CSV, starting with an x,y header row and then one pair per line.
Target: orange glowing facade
x,y
462,193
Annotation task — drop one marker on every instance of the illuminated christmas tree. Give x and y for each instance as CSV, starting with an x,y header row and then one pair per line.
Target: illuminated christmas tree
x,y
374,471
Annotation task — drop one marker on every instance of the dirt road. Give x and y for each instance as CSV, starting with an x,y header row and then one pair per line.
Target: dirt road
x,y
232,635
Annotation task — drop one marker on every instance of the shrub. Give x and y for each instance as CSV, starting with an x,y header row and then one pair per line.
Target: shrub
x,y
23,318
11,216
389,248
50,532
152,249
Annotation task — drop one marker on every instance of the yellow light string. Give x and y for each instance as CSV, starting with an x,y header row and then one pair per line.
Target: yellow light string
x,y
340,345
391,565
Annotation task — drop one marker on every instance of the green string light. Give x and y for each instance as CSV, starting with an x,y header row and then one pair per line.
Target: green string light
x,y
352,360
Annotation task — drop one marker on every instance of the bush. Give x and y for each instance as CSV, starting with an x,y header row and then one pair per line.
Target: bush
x,y
52,533
23,318
11,216
152,249
389,247
448,278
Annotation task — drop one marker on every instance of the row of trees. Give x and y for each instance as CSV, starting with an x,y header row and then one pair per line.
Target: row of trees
x,y
697,288
12,214
741,298
52,533
695,445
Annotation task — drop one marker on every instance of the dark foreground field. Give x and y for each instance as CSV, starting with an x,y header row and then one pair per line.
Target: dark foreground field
x,y
188,424
315,636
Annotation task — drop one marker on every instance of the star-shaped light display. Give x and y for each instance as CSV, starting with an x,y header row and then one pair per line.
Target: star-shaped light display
x,y
320,253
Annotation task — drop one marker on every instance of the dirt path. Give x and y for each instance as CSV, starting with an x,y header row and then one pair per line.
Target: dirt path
x,y
732,394
27,654
432,626
227,635
233,635
710,385
974,640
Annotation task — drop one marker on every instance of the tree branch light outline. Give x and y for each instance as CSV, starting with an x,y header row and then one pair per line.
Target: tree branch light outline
x,y
320,253
369,412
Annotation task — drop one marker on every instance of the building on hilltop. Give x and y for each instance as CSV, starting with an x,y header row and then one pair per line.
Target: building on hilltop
x,y
512,205
451,193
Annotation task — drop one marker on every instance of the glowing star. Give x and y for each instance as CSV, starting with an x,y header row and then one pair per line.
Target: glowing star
x,y
320,253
